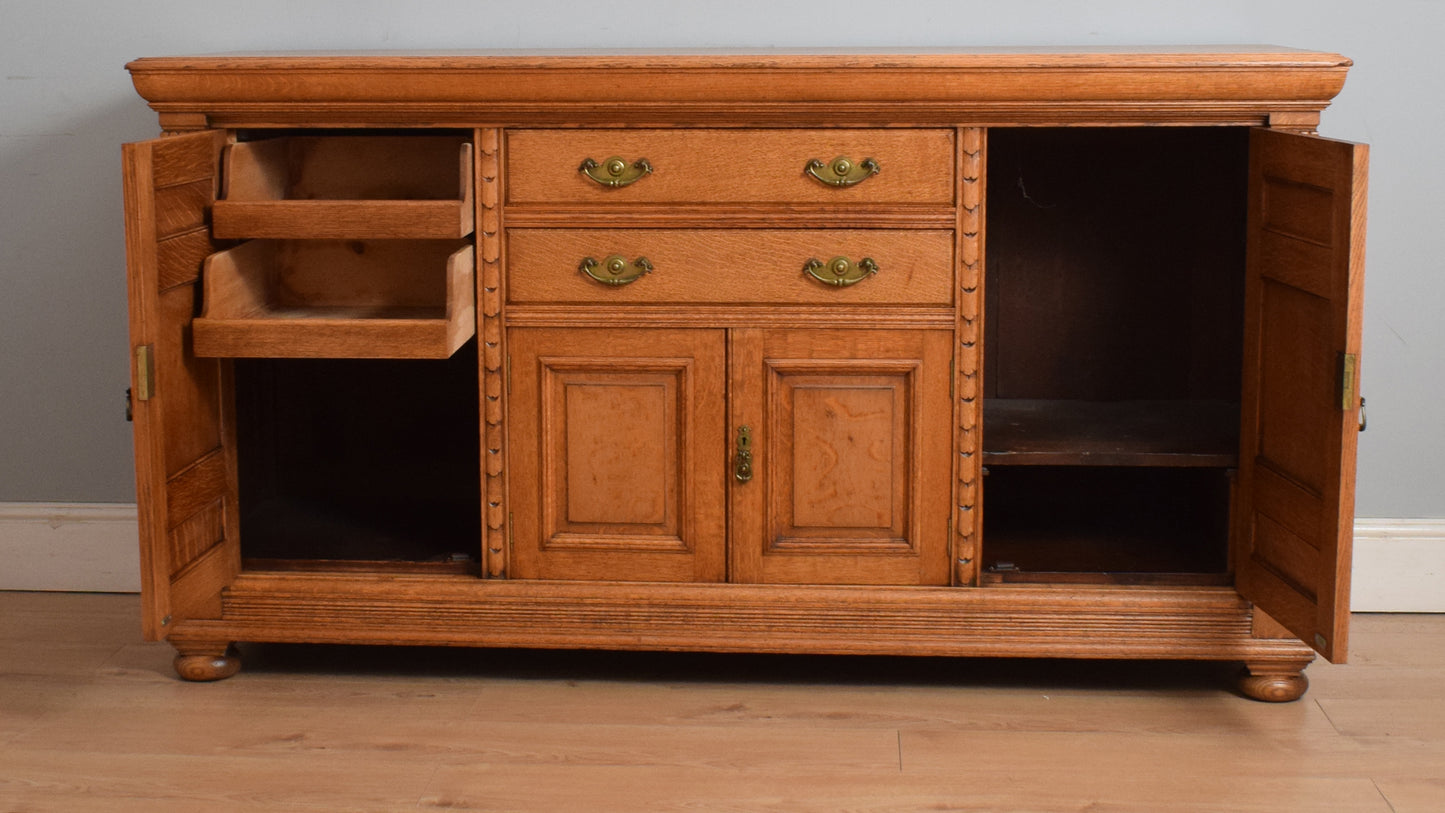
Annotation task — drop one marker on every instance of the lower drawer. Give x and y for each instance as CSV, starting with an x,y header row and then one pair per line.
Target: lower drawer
x,y
908,267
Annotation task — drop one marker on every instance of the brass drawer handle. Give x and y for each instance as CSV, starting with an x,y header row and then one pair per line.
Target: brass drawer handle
x,y
615,171
743,463
841,271
841,171
615,270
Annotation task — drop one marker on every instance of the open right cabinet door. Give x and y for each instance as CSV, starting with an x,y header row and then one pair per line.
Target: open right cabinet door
x,y
1300,398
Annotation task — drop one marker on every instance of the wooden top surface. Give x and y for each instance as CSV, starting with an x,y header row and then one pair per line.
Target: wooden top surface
x,y
1217,56
986,86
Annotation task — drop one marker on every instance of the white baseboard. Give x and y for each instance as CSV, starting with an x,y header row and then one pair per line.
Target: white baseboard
x,y
1399,564
88,547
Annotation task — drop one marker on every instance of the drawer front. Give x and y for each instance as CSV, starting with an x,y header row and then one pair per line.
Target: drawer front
x,y
914,267
731,166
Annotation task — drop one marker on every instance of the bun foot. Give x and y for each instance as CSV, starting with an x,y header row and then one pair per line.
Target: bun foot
x,y
1273,684
208,664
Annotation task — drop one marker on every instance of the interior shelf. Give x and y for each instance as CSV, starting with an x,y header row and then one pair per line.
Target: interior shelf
x,y
331,299
342,187
1056,432
1113,524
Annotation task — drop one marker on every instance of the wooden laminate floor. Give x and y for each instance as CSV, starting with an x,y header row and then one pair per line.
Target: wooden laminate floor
x,y
92,719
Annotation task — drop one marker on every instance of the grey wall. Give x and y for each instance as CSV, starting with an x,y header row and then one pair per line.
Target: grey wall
x,y
66,105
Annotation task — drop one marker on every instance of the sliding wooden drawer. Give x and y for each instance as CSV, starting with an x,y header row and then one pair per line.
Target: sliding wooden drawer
x,y
346,186
838,166
857,266
335,299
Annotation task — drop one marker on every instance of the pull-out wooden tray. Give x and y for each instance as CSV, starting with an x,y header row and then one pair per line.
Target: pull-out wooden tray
x,y
341,187
333,299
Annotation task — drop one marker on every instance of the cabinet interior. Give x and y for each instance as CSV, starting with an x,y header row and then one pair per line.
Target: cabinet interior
x,y
272,165
360,460
1114,299
1114,330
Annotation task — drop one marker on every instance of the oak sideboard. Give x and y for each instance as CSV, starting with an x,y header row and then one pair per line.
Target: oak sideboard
x,y
994,353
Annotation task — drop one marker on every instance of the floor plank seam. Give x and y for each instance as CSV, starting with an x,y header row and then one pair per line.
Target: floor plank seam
x,y
421,798
1326,713
1388,803
900,750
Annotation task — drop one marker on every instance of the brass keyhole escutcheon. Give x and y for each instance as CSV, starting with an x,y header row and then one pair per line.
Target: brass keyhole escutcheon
x,y
743,461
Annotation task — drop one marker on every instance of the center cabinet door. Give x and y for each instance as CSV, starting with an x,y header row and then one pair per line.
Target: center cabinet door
x,y
851,444
618,455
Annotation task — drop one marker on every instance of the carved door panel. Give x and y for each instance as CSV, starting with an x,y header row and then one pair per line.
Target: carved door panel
x,y
184,429
847,486
1303,298
618,456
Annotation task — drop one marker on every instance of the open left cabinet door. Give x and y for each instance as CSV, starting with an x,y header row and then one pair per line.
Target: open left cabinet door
x,y
184,427
1303,298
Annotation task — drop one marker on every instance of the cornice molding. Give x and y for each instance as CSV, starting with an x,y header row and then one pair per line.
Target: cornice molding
x,y
990,87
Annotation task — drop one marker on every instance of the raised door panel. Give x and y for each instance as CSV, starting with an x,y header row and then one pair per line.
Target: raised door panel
x,y
618,454
1300,394
184,429
850,437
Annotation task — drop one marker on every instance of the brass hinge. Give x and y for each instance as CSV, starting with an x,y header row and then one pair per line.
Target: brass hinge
x,y
1348,365
145,373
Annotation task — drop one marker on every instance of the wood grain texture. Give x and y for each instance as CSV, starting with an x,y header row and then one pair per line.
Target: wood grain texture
x,y
968,353
1114,270
347,187
1094,86
617,455
848,487
876,387
731,166
763,266
198,533
491,305
731,216
1081,622
323,299
720,315
185,431
197,487
1026,432
344,220
94,719
1302,316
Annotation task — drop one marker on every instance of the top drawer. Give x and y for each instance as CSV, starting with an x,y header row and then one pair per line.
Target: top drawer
x,y
731,166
